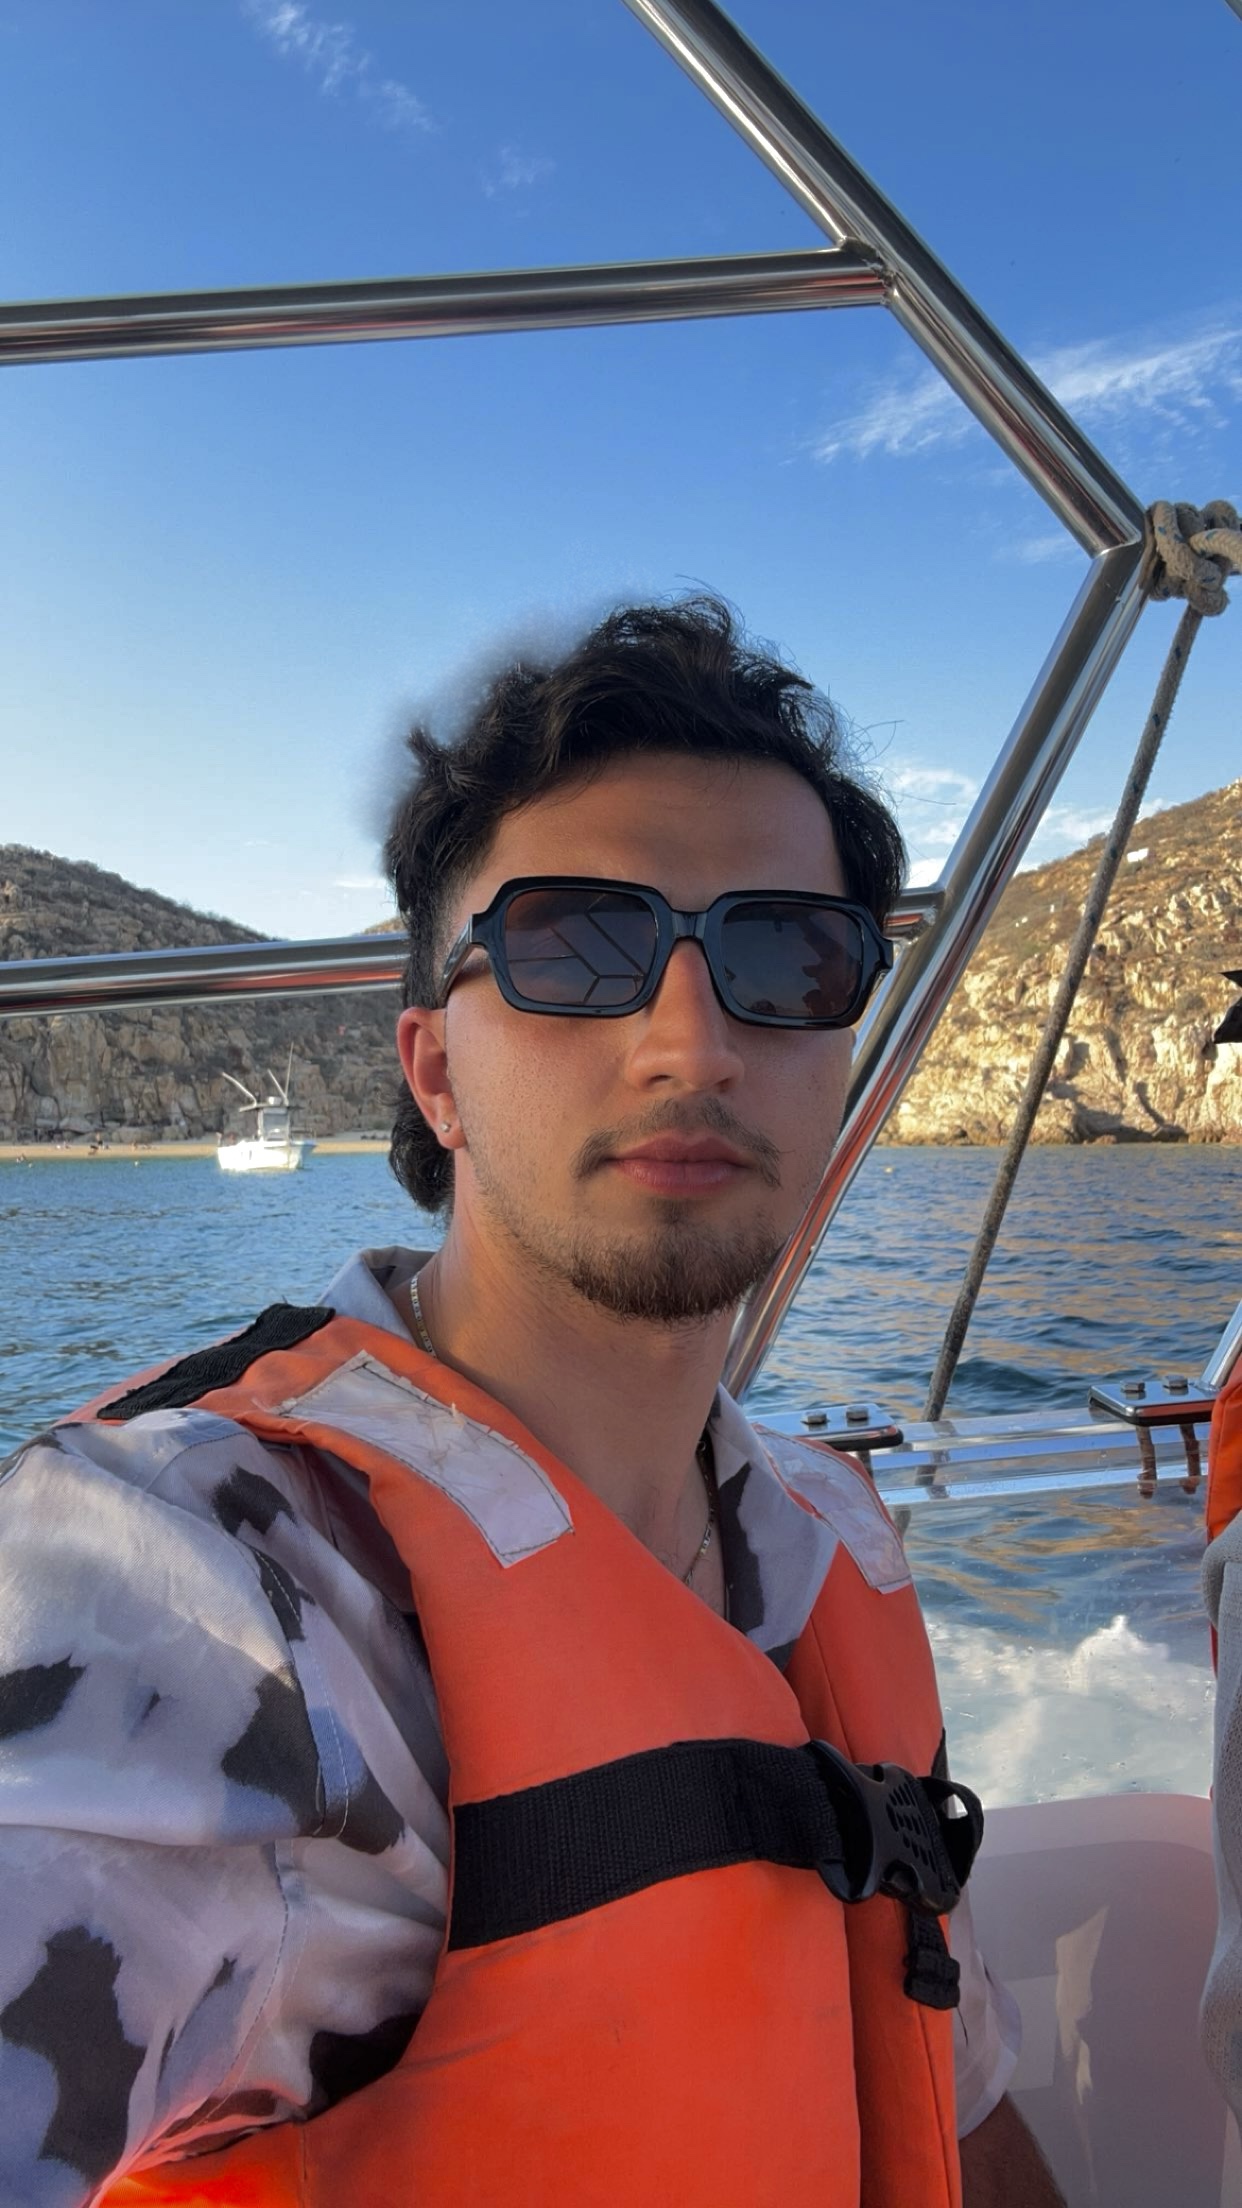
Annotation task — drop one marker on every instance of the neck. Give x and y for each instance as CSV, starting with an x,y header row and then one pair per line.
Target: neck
x,y
622,1403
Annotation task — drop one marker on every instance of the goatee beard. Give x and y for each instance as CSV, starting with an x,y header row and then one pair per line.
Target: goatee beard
x,y
679,1271
681,1274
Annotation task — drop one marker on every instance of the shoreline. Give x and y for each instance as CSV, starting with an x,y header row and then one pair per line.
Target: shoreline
x,y
51,1153
350,1146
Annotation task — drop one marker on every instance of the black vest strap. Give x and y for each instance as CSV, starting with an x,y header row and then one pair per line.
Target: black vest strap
x,y
544,1853
933,1976
281,1326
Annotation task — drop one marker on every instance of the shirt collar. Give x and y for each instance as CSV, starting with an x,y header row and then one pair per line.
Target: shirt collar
x,y
368,1283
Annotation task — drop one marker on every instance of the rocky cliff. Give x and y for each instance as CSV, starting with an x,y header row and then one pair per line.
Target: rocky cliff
x,y
1138,1063
136,1076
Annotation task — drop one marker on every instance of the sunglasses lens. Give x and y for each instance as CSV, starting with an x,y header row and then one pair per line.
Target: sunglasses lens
x,y
588,948
793,962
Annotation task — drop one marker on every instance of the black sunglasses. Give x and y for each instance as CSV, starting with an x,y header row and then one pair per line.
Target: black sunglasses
x,y
573,945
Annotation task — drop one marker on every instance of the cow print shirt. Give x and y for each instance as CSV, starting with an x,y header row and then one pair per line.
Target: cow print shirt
x,y
223,1826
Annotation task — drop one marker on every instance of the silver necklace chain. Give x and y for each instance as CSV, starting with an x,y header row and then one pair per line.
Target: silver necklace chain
x,y
702,1454
420,1323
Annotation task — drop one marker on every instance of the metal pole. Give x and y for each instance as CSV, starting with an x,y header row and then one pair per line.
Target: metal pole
x,y
438,306
1225,1355
219,972
1048,1043
972,356
986,854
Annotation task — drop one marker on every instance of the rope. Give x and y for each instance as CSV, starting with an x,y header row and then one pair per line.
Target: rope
x,y
1191,554
1196,552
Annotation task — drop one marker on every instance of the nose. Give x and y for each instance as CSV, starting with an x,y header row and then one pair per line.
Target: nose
x,y
684,1039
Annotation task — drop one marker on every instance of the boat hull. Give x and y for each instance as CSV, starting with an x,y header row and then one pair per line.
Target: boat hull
x,y
264,1157
1100,1916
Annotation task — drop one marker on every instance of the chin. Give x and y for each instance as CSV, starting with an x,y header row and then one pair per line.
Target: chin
x,y
684,1271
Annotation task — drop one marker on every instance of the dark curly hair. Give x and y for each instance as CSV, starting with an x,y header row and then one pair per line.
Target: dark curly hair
x,y
680,677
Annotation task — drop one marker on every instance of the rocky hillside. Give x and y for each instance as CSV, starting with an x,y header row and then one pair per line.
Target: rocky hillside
x,y
1138,1063
134,1076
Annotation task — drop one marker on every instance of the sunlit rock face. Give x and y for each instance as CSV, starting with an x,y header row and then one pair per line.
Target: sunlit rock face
x,y
1138,1063
146,1076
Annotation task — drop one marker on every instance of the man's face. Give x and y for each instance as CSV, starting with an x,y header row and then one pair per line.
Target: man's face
x,y
565,1120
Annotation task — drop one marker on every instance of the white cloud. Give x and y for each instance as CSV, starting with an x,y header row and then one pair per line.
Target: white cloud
x,y
399,108
330,53
931,835
941,835
932,804
1174,379
1070,826
516,171
900,417
370,883
1039,551
1066,828
911,779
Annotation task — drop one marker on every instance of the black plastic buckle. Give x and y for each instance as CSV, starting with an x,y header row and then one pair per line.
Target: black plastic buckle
x,y
891,1830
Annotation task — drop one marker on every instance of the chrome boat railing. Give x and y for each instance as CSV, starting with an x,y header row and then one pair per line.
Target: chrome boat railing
x,y
126,980
986,1457
1030,426
874,258
45,331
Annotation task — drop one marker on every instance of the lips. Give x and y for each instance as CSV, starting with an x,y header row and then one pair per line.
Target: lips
x,y
683,1150
681,1165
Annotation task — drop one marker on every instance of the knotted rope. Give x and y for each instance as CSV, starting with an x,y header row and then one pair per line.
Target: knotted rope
x,y
1191,554
1195,552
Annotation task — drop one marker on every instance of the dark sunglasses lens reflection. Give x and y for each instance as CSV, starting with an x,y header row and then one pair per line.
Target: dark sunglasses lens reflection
x,y
585,948
593,950
792,961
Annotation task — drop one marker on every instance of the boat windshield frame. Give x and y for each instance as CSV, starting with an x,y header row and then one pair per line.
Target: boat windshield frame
x,y
872,258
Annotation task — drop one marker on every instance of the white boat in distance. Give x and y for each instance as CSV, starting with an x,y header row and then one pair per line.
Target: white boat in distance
x,y
272,1148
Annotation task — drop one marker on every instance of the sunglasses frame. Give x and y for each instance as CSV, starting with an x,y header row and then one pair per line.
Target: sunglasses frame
x,y
486,930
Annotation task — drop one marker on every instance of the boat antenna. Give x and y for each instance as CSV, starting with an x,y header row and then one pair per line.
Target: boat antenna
x,y
282,1087
252,1101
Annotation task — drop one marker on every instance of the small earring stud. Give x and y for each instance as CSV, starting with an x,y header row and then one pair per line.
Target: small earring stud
x,y
445,1125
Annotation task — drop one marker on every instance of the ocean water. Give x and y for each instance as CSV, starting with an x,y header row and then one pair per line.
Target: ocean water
x,y
1068,1631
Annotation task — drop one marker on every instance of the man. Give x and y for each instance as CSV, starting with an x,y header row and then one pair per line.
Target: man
x,y
479,1546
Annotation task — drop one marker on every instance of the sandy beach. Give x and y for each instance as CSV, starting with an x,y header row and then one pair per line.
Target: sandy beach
x,y
51,1153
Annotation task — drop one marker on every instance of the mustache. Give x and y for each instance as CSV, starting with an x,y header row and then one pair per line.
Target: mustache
x,y
710,1117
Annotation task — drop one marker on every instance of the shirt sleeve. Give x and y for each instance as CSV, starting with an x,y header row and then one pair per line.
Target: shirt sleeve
x,y
199,1789
987,2027
1221,2018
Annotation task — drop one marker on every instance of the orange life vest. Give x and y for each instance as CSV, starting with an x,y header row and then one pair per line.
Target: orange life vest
x,y
1224,1490
1224,1495
734,2037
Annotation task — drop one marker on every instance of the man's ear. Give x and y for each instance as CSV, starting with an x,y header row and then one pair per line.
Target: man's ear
x,y
424,1062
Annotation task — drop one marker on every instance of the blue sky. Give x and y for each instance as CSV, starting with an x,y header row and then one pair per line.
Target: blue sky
x,y
225,581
